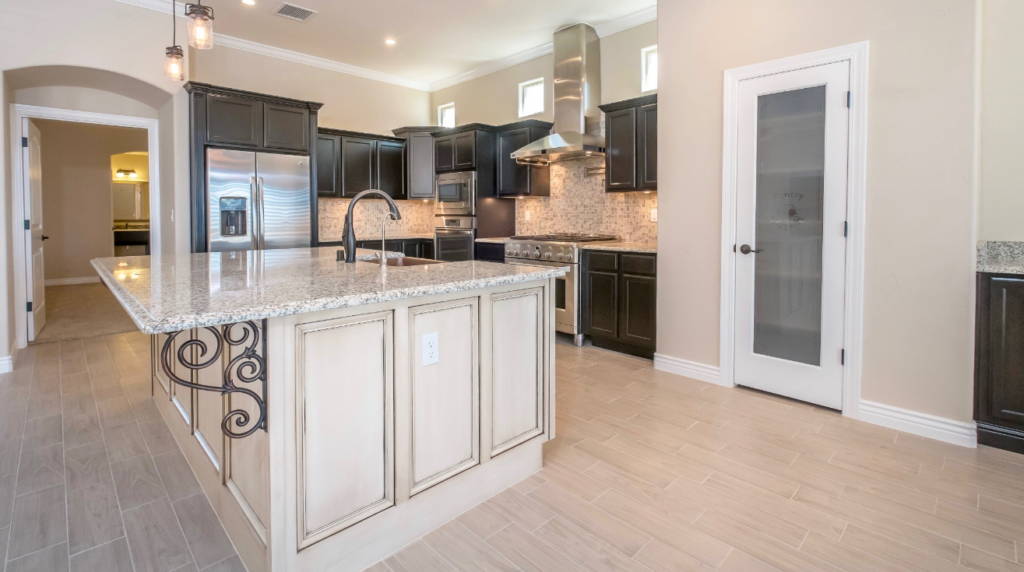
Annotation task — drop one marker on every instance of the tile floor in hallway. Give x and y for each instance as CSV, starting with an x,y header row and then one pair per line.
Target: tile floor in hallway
x,y
90,477
650,471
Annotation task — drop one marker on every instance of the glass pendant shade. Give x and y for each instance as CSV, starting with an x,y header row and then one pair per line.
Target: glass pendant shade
x,y
200,26
174,68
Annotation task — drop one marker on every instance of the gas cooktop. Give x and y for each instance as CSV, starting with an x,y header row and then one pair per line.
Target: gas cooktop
x,y
566,237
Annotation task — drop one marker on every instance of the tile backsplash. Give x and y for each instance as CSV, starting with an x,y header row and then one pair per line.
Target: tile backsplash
x,y
417,218
580,204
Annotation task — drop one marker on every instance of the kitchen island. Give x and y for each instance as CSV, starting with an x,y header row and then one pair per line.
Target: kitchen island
x,y
335,412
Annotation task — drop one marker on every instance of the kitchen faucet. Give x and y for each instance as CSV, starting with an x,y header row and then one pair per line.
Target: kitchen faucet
x,y
350,231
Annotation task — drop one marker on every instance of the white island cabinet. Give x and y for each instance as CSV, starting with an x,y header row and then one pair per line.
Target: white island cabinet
x,y
332,412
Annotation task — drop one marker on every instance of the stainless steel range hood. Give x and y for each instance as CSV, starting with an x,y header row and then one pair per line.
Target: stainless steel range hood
x,y
577,129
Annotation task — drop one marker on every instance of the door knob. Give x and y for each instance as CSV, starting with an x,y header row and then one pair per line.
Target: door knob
x,y
745,249
44,237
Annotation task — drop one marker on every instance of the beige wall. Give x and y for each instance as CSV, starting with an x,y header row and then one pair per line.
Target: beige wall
x,y
350,102
1002,121
137,161
919,263
494,98
77,194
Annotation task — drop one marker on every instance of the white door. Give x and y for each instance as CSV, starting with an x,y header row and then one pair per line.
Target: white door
x,y
790,233
36,287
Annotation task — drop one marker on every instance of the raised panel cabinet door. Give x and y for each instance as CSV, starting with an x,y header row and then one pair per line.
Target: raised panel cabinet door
x,y
419,149
603,311
345,407
517,372
209,405
638,316
285,127
1006,350
411,248
620,151
391,168
357,165
445,393
328,168
234,120
513,179
647,151
444,155
465,150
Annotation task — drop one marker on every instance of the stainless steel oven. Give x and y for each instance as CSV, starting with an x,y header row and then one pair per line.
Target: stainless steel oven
x,y
454,238
455,194
566,289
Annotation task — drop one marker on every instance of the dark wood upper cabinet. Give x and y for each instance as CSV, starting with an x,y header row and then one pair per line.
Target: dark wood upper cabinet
x,y
285,127
444,154
999,361
226,118
358,165
391,168
515,180
631,144
465,150
647,146
620,157
232,120
419,161
328,169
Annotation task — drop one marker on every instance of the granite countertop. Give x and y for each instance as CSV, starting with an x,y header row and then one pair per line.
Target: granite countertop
x,y
643,247
171,293
494,239
1001,257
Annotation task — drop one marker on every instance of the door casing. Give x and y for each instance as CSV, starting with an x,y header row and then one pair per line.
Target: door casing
x,y
857,56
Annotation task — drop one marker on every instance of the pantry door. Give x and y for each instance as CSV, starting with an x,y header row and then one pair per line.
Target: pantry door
x,y
790,249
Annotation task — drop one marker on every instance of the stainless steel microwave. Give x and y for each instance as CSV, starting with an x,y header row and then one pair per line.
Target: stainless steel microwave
x,y
455,194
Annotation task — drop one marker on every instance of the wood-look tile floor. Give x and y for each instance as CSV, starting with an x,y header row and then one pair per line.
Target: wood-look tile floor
x,y
656,472
88,481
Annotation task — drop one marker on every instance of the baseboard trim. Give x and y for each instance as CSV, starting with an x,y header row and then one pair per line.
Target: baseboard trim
x,y
70,281
7,362
686,368
922,424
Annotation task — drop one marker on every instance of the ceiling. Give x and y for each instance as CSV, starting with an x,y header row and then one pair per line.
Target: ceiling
x,y
436,40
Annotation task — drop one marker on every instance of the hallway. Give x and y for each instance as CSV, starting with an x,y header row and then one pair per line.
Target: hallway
x,y
78,311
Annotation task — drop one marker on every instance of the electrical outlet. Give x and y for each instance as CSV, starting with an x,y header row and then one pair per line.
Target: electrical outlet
x,y
431,350
527,215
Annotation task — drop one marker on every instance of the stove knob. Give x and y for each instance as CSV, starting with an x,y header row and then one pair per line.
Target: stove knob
x,y
547,256
515,252
508,252
535,254
560,256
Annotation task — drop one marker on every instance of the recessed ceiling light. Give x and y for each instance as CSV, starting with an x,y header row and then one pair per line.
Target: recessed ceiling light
x,y
249,2
389,42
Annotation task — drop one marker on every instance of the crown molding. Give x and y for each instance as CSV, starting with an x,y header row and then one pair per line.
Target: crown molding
x,y
605,29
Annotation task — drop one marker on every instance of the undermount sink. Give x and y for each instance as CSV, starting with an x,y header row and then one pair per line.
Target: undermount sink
x,y
408,261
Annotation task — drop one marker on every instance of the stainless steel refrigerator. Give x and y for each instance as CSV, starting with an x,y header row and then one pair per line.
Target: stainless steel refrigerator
x,y
257,201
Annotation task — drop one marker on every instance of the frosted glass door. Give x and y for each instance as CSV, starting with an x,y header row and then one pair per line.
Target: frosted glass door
x,y
790,196
790,261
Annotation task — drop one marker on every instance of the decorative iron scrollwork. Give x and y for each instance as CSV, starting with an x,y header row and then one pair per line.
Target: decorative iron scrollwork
x,y
246,367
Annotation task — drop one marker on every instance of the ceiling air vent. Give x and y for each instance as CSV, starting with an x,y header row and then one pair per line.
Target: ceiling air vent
x,y
294,12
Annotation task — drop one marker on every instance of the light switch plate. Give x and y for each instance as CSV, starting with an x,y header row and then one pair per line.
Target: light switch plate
x,y
654,214
527,215
431,350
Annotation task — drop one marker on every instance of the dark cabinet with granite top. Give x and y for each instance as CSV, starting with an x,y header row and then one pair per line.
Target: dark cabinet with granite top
x,y
515,180
631,144
350,163
999,361
619,299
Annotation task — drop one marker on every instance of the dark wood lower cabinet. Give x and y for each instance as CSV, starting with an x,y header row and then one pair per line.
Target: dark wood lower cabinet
x,y
415,247
490,251
999,362
620,293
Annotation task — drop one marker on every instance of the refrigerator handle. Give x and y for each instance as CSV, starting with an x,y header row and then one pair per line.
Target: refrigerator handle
x,y
259,192
255,230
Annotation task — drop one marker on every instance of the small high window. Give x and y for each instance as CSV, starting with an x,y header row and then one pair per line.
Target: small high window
x,y
531,97
446,115
649,68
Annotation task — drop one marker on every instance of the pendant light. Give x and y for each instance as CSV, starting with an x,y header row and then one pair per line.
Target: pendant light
x,y
200,25
174,66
